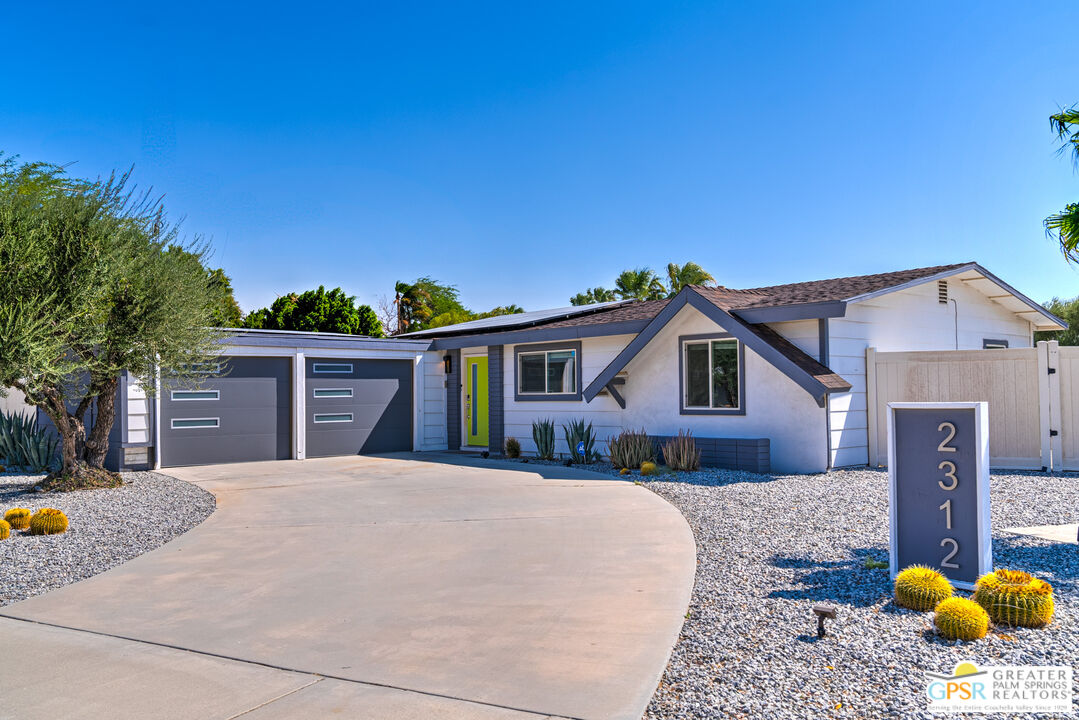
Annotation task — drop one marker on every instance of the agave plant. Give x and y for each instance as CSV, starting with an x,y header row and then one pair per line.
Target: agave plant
x,y
681,452
630,449
25,444
578,432
543,435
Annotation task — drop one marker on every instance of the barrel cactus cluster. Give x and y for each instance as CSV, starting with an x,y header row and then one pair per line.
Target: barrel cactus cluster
x,y
921,588
5,530
1013,597
648,468
18,518
48,521
958,618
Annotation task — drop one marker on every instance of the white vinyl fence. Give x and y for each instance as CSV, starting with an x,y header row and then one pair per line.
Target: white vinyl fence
x,y
1033,396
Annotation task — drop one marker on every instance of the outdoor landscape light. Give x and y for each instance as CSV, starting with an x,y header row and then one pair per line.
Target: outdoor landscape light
x,y
448,361
823,611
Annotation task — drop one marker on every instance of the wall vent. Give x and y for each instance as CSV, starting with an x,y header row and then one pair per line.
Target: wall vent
x,y
942,292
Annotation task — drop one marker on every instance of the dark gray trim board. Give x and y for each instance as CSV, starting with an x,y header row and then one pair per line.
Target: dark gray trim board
x,y
453,401
496,396
823,349
733,325
627,327
682,409
546,347
786,313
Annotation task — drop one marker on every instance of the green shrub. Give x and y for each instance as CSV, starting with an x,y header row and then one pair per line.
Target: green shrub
x,y
24,444
1012,597
48,521
681,453
543,436
576,432
961,619
513,448
921,588
630,449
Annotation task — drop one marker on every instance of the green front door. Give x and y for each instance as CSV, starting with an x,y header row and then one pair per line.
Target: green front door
x,y
476,421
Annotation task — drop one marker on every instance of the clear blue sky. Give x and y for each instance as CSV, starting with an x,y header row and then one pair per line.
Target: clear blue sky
x,y
524,154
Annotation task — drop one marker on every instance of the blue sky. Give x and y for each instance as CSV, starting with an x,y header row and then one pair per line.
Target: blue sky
x,y
524,154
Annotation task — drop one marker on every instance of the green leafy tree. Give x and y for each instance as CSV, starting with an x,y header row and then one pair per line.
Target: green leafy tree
x,y
678,276
89,288
501,310
420,302
1067,310
639,284
226,311
1064,225
592,296
318,310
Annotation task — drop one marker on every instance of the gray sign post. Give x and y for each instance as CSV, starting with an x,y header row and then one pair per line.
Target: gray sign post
x,y
938,481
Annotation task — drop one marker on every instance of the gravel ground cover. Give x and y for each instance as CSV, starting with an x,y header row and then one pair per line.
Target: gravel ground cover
x,y
770,547
107,528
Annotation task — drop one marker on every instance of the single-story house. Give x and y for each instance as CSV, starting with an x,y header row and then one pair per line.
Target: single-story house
x,y
767,379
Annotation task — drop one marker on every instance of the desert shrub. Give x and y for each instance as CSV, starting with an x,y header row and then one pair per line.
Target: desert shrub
x,y
1012,597
577,431
681,452
543,436
48,521
24,444
513,448
5,530
630,449
921,588
18,518
961,619
648,468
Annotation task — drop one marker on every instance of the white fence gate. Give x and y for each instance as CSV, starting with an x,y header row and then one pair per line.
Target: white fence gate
x,y
1033,396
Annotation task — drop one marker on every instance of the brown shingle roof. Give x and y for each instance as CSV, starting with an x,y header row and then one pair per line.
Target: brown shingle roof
x,y
833,382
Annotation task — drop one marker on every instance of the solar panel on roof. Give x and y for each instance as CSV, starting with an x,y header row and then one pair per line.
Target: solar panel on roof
x,y
525,318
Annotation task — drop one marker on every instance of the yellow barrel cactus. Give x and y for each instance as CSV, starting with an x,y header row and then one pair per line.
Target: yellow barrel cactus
x,y
921,588
48,521
961,619
648,468
18,518
1013,597
5,530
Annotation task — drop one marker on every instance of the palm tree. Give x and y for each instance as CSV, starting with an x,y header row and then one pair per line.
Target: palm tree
x,y
1064,225
413,305
593,295
639,284
678,276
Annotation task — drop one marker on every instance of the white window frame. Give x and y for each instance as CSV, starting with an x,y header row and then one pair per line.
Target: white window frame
x,y
173,394
315,392
316,365
316,416
216,421
709,409
546,365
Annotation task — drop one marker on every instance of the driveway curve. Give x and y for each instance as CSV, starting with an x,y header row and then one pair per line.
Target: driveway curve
x,y
406,586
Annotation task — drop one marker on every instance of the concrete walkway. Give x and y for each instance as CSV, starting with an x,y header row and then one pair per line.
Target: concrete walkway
x,y
371,587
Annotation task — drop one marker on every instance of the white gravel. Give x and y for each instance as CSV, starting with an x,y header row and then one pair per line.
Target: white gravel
x,y
107,528
769,548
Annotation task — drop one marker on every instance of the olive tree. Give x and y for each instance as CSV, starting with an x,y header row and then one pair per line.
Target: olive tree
x,y
89,288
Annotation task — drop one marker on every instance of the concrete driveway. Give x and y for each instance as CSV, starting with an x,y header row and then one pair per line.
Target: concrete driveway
x,y
402,587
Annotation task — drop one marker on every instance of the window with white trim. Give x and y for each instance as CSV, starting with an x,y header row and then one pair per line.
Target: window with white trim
x,y
332,392
547,372
331,367
186,423
711,373
333,417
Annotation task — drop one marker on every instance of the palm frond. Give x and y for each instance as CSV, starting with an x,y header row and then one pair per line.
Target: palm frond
x,y
1064,227
1065,125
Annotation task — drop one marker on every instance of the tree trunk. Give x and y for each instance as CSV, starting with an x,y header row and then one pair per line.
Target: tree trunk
x,y
62,420
97,444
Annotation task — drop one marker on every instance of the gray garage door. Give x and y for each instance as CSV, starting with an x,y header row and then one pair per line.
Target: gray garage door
x,y
358,406
241,415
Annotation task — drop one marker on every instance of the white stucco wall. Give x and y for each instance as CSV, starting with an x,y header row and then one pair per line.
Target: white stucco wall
x,y
433,403
776,408
905,320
